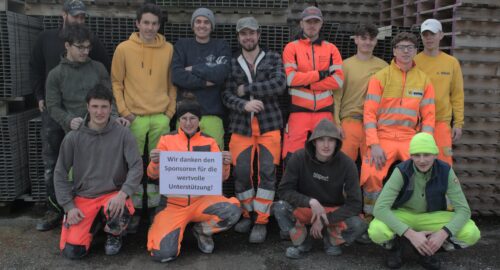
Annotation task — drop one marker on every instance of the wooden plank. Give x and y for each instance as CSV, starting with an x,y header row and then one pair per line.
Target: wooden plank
x,y
481,69
470,41
481,83
93,11
473,55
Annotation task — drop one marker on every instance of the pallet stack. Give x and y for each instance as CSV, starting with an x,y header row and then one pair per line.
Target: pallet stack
x,y
472,31
17,35
35,161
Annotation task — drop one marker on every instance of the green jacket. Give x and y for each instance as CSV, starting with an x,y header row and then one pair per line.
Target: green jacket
x,y
417,202
67,86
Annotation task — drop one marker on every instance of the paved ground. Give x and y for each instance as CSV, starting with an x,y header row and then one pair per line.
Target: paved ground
x,y
22,247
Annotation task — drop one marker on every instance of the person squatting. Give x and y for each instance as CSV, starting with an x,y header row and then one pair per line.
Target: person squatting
x,y
349,123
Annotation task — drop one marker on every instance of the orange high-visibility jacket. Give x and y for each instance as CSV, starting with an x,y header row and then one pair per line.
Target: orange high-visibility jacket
x,y
398,104
303,60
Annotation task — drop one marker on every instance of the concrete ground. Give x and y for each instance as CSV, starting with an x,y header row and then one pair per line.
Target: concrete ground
x,y
22,247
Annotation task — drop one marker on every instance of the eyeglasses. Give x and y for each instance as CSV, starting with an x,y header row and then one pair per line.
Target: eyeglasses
x,y
405,47
82,48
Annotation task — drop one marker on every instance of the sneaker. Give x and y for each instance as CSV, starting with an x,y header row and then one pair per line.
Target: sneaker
x,y
364,239
113,244
243,226
394,258
50,220
205,242
331,250
429,262
297,252
258,234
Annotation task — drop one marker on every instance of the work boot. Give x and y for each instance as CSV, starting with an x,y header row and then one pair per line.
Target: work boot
x,y
297,252
113,244
429,262
394,258
364,239
205,242
331,250
50,220
243,226
258,234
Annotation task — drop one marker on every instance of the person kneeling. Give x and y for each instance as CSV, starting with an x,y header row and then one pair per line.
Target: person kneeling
x,y
413,205
320,187
212,214
107,169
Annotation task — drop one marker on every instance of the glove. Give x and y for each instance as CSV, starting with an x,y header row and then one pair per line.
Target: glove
x,y
323,74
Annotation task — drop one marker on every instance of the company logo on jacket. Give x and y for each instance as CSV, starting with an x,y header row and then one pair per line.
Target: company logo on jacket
x,y
416,92
320,177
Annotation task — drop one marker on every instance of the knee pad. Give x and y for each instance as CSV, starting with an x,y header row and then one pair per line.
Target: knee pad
x,y
227,212
74,252
168,247
355,228
282,212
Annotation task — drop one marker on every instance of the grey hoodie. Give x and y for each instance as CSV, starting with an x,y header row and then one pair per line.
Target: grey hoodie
x,y
102,162
334,183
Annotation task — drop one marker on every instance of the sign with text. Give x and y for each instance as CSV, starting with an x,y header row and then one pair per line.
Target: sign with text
x,y
191,173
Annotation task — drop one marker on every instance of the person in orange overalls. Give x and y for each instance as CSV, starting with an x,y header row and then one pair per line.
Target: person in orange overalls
x,y
212,214
399,102
313,70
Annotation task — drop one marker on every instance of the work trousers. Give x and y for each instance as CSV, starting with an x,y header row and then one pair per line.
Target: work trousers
x,y
78,237
300,125
294,221
442,135
354,142
381,234
372,179
212,214
243,150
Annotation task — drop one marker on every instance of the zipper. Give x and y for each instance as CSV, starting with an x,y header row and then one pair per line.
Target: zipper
x,y
188,148
314,68
403,90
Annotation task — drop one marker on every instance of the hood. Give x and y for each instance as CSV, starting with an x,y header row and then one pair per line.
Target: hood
x,y
73,64
85,127
147,57
325,128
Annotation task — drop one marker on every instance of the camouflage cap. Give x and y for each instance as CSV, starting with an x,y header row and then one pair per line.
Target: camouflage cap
x,y
74,7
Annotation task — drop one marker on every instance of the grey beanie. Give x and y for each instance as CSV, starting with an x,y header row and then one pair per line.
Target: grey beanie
x,y
325,128
205,12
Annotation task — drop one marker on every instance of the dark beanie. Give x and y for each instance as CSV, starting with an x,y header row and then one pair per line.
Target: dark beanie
x,y
188,105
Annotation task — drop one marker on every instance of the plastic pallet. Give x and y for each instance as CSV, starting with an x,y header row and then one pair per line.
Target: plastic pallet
x,y
283,4
35,162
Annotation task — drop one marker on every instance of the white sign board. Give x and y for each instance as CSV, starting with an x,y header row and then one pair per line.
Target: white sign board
x,y
191,173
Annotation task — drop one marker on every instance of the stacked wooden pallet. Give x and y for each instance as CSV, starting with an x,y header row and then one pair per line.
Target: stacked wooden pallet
x,y
472,35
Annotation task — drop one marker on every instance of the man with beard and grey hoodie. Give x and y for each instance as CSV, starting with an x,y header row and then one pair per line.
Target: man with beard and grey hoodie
x,y
320,188
106,167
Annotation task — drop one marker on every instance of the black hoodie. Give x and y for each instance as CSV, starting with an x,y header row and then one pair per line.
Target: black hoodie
x,y
334,183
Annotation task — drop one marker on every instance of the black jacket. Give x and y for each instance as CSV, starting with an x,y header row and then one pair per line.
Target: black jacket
x,y
46,55
334,183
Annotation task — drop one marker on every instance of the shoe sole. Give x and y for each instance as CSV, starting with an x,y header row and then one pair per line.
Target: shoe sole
x,y
197,236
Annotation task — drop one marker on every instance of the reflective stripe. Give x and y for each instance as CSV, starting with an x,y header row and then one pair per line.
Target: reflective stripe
x,y
247,206
265,194
261,207
398,110
426,101
373,97
390,122
171,196
245,195
305,95
289,78
339,81
290,65
427,128
332,68
370,125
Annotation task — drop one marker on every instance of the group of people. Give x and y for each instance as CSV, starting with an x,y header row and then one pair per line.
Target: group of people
x,y
101,118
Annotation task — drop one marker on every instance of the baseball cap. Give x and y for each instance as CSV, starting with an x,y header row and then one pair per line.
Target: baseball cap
x,y
74,7
312,13
432,25
247,22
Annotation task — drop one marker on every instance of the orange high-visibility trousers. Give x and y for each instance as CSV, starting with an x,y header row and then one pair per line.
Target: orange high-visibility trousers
x,y
243,150
300,124
80,234
442,135
354,138
212,213
371,179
